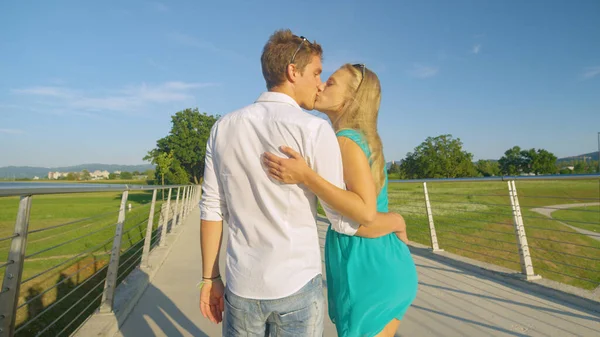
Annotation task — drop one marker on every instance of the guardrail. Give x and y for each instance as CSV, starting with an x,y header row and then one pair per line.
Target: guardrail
x,y
95,263
539,225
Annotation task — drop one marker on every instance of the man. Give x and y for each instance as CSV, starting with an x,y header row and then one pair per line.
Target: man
x,y
274,282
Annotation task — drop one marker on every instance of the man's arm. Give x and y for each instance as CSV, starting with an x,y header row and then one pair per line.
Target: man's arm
x,y
213,209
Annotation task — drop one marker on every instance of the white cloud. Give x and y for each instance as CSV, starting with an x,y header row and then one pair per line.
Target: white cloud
x,y
11,131
130,99
422,71
590,72
476,49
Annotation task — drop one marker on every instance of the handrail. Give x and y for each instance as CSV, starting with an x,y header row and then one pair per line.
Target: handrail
x,y
12,192
501,178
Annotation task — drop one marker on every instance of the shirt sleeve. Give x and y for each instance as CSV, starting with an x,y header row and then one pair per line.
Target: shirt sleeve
x,y
213,205
327,162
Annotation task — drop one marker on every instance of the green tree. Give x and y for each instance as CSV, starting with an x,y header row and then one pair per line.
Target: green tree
x,y
511,163
439,157
112,176
71,176
579,168
187,142
544,163
488,168
85,175
565,171
126,175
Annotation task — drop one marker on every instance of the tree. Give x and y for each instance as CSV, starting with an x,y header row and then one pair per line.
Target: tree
x,y
394,169
511,163
72,176
126,175
544,163
85,175
579,168
488,168
516,161
112,176
187,142
136,173
439,157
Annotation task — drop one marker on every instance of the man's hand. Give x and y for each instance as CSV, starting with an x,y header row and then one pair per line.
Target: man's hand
x,y
212,302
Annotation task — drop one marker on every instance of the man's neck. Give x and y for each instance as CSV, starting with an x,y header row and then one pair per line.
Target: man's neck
x,y
282,89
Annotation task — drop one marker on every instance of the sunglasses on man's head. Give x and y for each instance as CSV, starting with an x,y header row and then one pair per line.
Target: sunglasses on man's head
x,y
298,49
362,67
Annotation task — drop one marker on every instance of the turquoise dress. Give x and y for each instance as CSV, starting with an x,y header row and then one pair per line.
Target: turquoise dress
x,y
369,281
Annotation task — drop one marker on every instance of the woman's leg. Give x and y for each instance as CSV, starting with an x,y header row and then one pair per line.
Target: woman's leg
x,y
390,329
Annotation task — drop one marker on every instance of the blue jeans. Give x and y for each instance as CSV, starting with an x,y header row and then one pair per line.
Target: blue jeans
x,y
300,314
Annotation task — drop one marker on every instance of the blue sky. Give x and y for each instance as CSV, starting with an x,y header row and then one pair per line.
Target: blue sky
x,y
98,81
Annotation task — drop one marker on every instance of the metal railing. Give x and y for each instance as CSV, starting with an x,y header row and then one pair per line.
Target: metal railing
x,y
509,221
96,245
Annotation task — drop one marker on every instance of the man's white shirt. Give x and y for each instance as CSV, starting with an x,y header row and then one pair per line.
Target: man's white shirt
x,y
273,247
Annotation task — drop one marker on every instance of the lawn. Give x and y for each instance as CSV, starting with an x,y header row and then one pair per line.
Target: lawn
x,y
583,217
474,219
72,251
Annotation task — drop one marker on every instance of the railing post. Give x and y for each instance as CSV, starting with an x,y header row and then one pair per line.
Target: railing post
x,y
148,239
434,240
180,210
9,294
524,255
187,195
192,197
163,241
108,296
175,215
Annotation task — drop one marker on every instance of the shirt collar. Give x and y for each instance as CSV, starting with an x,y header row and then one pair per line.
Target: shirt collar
x,y
277,97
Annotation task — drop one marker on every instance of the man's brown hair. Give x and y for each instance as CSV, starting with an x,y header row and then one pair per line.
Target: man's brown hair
x,y
279,51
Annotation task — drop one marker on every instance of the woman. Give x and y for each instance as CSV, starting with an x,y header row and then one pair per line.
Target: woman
x,y
371,277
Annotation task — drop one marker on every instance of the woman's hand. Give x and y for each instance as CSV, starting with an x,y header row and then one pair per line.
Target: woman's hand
x,y
288,171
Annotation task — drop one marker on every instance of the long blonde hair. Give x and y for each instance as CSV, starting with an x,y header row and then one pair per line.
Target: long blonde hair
x,y
360,111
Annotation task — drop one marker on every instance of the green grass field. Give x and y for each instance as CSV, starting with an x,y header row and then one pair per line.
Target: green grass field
x,y
475,220
82,242
583,217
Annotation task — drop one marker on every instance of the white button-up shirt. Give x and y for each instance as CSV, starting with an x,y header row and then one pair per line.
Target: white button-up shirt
x,y
273,248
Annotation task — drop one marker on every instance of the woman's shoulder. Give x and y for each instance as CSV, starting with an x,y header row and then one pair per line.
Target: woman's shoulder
x,y
357,136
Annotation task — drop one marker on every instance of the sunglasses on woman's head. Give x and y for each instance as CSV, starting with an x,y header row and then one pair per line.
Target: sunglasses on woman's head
x,y
362,67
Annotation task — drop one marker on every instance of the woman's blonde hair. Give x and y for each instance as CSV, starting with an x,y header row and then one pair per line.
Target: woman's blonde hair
x,y
359,112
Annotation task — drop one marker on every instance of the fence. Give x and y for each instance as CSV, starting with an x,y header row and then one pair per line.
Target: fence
x,y
540,226
86,253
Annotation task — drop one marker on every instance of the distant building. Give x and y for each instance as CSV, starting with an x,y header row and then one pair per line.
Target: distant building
x,y
36,178
97,175
57,175
117,172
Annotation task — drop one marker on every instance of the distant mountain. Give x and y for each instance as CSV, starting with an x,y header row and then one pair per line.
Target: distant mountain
x,y
30,172
581,157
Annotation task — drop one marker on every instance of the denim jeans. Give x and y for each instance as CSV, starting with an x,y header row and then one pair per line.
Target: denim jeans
x,y
300,314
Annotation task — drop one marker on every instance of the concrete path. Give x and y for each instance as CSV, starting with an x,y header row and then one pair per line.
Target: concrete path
x,y
452,301
548,210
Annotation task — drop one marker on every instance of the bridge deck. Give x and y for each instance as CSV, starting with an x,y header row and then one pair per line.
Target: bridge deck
x,y
452,301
